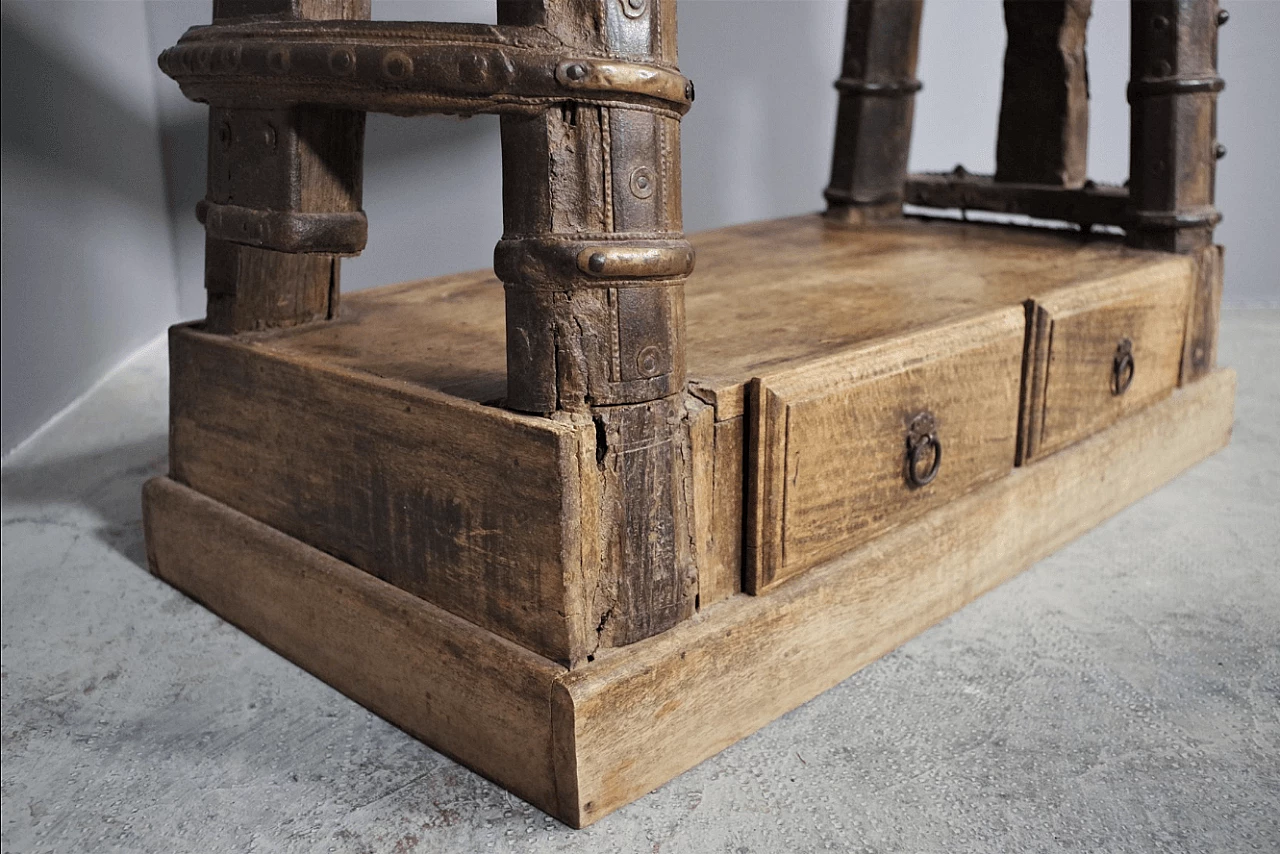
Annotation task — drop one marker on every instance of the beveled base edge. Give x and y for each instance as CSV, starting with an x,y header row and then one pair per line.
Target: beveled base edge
x,y
579,744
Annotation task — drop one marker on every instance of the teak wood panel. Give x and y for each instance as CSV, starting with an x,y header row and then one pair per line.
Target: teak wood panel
x,y
581,743
829,441
1073,342
718,463
467,692
827,287
474,508
639,716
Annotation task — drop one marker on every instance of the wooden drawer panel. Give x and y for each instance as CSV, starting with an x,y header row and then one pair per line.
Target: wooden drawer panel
x,y
1078,377
829,445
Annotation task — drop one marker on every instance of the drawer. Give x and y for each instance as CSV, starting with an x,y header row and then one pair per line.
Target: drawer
x,y
1100,352
832,444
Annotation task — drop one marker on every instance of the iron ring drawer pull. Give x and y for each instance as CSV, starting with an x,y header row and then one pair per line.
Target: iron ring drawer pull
x,y
922,437
1122,367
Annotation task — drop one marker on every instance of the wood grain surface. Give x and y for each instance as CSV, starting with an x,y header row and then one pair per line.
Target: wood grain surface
x,y
1072,347
472,507
829,451
465,691
641,715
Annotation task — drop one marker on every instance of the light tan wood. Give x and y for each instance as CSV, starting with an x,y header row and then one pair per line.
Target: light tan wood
x,y
827,287
644,714
475,508
467,692
1073,343
829,450
718,450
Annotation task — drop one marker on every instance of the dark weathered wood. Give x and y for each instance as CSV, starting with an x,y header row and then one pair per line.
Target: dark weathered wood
x,y
1173,94
280,182
1044,104
579,182
1091,204
877,88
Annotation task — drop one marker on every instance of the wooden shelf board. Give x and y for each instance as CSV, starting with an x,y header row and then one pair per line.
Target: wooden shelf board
x,y
764,298
579,744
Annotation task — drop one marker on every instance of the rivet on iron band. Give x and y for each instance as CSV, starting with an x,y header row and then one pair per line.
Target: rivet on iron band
x,y
278,60
474,69
397,65
642,182
889,89
342,61
229,57
647,360
577,71
1219,151
1223,16
634,8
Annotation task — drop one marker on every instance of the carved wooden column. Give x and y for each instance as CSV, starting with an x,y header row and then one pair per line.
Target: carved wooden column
x,y
877,101
1044,106
284,187
1173,148
594,261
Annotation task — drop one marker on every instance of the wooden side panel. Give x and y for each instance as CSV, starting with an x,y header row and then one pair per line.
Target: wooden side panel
x,y
832,444
466,692
643,715
1075,341
470,507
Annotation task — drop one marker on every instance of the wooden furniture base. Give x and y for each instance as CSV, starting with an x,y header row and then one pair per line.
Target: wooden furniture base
x,y
580,743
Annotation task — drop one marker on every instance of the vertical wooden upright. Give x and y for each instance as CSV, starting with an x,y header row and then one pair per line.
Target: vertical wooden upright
x,y
1173,149
284,191
594,260
877,88
1044,105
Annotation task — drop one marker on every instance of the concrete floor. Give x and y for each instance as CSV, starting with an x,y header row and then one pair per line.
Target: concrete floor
x,y
1122,695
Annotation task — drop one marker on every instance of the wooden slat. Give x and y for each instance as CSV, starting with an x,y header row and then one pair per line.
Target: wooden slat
x,y
642,715
464,691
1044,105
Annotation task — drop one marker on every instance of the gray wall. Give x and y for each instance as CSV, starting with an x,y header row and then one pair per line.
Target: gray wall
x,y
88,263
756,145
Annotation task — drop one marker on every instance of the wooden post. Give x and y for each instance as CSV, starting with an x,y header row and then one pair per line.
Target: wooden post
x,y
1173,149
594,260
877,88
1044,105
284,193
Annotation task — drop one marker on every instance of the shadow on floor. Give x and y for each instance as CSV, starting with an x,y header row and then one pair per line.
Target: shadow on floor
x,y
105,483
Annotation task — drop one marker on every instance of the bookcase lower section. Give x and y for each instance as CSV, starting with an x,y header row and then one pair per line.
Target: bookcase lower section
x,y
581,743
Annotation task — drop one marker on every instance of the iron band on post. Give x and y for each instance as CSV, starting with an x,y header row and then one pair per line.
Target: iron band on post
x,y
599,261
286,231
404,69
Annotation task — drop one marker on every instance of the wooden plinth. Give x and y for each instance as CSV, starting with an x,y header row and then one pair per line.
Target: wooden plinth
x,y
580,743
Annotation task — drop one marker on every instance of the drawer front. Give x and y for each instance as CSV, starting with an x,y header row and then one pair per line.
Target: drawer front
x,y
1099,353
845,449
